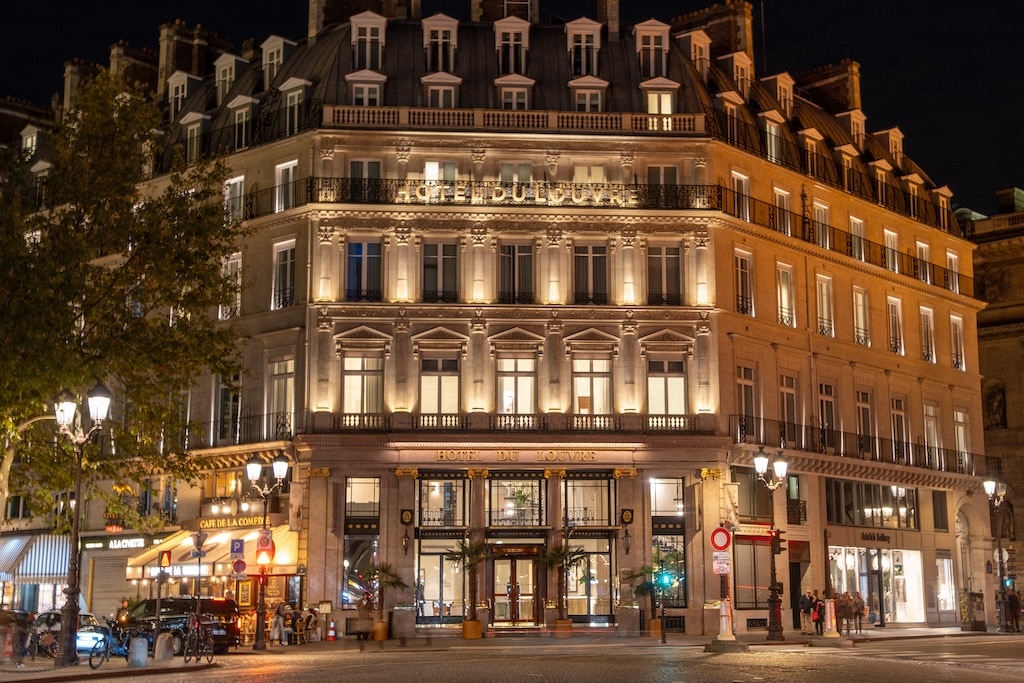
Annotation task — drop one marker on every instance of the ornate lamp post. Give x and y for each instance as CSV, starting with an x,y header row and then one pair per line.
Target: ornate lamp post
x,y
778,478
254,471
996,492
66,412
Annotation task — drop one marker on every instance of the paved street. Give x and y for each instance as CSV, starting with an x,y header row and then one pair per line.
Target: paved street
x,y
899,654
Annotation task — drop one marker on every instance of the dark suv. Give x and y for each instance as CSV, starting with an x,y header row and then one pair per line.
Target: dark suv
x,y
218,615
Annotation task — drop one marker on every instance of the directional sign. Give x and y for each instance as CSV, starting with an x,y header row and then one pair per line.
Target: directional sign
x,y
721,563
720,538
198,553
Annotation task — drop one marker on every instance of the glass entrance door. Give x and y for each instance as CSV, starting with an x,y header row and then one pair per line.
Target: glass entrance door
x,y
514,590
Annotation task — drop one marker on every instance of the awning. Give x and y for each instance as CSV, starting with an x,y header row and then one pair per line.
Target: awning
x,y
217,560
11,550
46,560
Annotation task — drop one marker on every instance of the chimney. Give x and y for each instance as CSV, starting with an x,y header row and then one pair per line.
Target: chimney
x,y
1010,200
185,49
608,14
730,26
834,88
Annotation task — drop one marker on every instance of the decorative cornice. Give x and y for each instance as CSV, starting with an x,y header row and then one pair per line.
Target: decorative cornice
x,y
478,473
318,473
627,472
411,472
550,472
710,473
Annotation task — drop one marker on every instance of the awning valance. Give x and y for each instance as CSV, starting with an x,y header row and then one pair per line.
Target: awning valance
x,y
46,560
11,550
217,560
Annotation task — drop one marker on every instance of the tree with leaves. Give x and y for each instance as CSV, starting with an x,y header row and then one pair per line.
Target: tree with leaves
x,y
386,577
114,276
564,558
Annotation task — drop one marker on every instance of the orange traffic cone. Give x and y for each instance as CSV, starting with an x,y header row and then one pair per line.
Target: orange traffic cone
x,y
331,635
9,646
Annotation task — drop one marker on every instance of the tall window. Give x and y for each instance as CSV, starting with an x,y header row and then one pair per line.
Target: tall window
x,y
861,318
242,127
953,271
857,241
583,54
927,335
895,316
225,79
746,405
773,141
515,274
652,55
900,440
892,251
822,228
590,274
272,59
956,326
363,280
439,386
363,385
511,53
960,434
865,426
285,176
827,417
741,196
233,273
786,290
826,312
364,174
512,173
660,105
368,48
295,111
923,264
666,387
783,217
234,197
282,399
440,272
284,275
228,402
193,142
931,435
788,411
744,282
440,50
664,276
592,386
517,382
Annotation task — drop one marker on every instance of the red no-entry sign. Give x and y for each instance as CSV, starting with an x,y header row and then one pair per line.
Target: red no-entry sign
x,y
720,538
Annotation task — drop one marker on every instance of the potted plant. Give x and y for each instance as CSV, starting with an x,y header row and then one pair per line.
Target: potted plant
x,y
468,555
647,588
386,577
563,558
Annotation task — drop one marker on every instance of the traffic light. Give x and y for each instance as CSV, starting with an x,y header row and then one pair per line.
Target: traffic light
x,y
664,579
777,542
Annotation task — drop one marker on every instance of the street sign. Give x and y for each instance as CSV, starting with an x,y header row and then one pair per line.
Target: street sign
x,y
238,566
237,548
720,538
165,559
198,553
721,563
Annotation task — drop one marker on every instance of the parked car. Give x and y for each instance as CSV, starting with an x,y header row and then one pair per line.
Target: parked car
x,y
90,630
219,615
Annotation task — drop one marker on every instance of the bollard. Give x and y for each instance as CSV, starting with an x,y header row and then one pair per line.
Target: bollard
x,y
138,653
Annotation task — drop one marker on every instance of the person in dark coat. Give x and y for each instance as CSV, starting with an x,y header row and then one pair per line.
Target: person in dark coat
x,y
806,623
1013,611
818,614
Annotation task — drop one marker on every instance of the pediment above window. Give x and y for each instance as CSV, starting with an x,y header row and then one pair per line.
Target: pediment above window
x,y
666,341
294,83
365,76
516,340
439,339
592,82
441,78
591,341
514,81
361,340
242,101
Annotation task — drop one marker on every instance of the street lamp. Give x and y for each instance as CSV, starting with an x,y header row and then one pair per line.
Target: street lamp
x,y
65,412
254,471
996,492
779,467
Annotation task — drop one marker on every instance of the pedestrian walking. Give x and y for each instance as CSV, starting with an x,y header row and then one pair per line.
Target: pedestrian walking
x,y
806,623
859,612
1013,611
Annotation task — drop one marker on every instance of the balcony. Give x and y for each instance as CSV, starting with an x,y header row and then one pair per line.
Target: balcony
x,y
816,439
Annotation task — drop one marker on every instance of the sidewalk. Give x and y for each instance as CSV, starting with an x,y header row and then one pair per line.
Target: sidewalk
x,y
42,669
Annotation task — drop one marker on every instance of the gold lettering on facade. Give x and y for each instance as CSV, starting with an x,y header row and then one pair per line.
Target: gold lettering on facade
x,y
459,456
318,473
566,456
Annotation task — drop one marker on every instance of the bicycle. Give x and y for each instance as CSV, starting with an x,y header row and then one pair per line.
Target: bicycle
x,y
43,643
117,643
198,640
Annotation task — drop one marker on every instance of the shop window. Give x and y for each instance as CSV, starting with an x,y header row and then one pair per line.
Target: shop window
x,y
516,501
587,502
443,501
667,497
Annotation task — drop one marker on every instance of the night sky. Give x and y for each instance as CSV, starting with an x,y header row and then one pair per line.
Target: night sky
x,y
949,73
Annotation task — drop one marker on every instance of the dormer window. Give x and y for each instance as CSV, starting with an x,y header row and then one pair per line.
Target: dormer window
x,y
781,86
275,50
660,94
366,88
440,40
514,91
773,141
810,140
740,67
441,90
697,45
584,43
29,140
179,86
195,129
652,48
241,109
588,93
512,40
368,40
881,169
854,120
226,69
294,90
